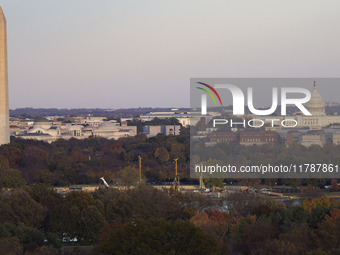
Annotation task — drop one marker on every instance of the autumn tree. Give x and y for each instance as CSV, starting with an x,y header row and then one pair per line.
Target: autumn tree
x,y
327,236
18,207
309,205
334,185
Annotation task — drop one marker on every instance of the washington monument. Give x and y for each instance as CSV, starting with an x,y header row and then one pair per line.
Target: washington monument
x,y
4,111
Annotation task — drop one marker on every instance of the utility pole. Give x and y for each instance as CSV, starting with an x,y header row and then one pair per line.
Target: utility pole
x,y
140,169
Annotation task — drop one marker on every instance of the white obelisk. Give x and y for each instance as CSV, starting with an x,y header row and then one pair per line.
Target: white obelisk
x,y
4,109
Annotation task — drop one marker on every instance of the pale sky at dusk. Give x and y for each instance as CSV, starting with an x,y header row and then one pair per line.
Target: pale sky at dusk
x,y
120,54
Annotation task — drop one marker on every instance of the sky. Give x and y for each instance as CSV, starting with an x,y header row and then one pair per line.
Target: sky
x,y
122,54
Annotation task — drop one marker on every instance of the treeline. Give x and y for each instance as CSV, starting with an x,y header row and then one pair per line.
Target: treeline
x,y
75,161
36,220
117,113
67,162
267,154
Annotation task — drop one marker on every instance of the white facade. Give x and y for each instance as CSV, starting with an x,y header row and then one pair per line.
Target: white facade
x,y
43,130
152,131
313,139
185,118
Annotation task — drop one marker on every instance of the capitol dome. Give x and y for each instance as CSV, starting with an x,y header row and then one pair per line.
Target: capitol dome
x,y
315,105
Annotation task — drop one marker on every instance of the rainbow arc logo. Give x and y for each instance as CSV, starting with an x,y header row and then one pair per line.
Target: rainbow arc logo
x,y
209,93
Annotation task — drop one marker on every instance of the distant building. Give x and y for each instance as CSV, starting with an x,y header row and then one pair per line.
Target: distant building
x,y
152,131
259,138
111,130
185,118
313,138
244,138
318,120
45,130
93,121
223,137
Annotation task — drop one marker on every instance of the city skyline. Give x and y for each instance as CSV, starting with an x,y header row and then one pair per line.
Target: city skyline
x,y
123,54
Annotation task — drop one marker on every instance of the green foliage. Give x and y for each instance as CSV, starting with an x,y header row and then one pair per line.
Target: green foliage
x,y
78,217
44,194
251,224
143,202
162,154
27,237
11,178
214,182
129,176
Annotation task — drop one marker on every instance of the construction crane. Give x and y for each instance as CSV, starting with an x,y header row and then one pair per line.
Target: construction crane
x,y
105,183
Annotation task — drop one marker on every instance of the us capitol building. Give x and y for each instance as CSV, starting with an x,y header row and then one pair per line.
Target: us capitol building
x,y
318,120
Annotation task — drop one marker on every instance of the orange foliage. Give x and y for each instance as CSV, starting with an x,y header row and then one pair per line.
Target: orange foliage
x,y
310,205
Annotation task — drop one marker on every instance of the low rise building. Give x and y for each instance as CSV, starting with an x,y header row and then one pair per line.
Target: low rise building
x,y
223,137
152,131
313,138
259,138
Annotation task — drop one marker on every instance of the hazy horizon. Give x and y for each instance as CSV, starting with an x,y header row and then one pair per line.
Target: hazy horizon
x,y
127,54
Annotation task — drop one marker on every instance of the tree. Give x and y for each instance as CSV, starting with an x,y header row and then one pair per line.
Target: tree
x,y
11,178
4,164
215,182
44,194
186,238
216,224
147,202
158,237
91,221
177,150
10,246
162,154
128,176
78,217
309,205
278,247
46,250
18,207
139,238
334,185
327,236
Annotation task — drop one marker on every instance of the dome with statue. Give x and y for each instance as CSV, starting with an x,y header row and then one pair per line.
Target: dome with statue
x,y
316,105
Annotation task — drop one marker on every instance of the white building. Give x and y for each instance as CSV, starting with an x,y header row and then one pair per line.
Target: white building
x,y
110,130
185,118
312,138
43,130
152,131
316,121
